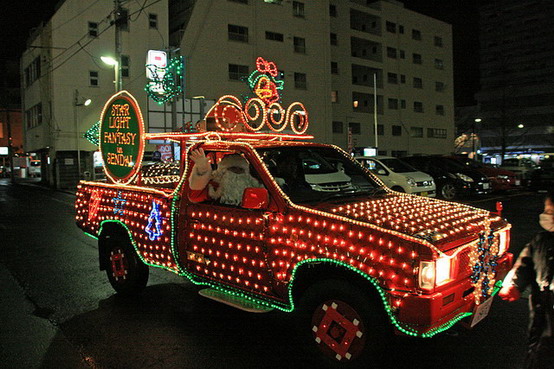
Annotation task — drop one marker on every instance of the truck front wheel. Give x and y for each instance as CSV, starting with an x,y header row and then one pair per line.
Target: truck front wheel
x,y
127,274
344,322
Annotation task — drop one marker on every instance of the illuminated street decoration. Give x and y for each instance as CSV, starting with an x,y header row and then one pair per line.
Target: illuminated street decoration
x,y
263,111
93,134
165,81
484,259
153,229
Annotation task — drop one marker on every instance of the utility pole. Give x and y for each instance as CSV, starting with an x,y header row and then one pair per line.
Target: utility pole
x,y
118,22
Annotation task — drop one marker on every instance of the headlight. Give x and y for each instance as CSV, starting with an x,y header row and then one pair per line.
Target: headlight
x,y
411,182
434,273
503,242
464,178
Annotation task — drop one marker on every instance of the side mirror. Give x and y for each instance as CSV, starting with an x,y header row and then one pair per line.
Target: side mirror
x,y
255,198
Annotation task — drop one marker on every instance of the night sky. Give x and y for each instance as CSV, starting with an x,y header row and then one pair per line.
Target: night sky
x,y
21,16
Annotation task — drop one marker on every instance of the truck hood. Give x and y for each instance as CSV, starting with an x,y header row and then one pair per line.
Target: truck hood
x,y
442,223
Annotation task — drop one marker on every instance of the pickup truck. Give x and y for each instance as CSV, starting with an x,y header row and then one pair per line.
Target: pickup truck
x,y
357,260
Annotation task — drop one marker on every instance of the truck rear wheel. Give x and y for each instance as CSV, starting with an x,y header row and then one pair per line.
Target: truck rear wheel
x,y
344,324
127,274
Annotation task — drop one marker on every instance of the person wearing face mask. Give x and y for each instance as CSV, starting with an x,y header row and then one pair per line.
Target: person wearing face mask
x,y
534,268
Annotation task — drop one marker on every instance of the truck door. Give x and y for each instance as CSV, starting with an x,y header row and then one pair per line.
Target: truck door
x,y
226,243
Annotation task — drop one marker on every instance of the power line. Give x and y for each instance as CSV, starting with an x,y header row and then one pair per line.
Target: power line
x,y
76,15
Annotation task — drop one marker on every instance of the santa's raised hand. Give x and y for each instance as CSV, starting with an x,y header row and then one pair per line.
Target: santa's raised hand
x,y
201,171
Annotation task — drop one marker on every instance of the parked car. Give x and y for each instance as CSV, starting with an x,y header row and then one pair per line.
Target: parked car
x,y
522,167
399,176
543,177
451,178
501,179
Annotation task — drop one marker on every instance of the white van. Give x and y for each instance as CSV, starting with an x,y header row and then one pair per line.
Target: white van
x,y
399,176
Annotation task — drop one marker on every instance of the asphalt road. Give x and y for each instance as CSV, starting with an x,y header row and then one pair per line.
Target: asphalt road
x,y
57,309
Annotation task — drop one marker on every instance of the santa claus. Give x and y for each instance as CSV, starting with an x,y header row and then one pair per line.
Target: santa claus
x,y
225,184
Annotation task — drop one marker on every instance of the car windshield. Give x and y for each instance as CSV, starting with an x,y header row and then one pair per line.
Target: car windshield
x,y
309,174
398,166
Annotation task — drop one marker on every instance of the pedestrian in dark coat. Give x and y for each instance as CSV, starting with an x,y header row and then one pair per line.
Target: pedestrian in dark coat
x,y
534,268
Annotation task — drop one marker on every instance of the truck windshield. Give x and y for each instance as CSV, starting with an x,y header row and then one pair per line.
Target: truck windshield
x,y
308,174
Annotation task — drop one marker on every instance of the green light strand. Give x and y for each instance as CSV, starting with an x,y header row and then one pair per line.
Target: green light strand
x,y
169,84
93,134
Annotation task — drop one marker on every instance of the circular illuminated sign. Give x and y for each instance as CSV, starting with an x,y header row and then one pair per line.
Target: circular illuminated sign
x,y
121,137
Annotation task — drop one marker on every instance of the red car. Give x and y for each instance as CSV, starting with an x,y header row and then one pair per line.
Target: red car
x,y
501,179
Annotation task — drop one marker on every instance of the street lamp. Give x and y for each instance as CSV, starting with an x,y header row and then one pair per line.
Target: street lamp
x,y
115,64
476,120
78,101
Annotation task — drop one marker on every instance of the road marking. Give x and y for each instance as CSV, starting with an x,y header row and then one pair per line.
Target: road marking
x,y
500,197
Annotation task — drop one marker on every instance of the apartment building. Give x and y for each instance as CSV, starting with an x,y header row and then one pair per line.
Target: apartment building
x,y
517,72
330,53
61,70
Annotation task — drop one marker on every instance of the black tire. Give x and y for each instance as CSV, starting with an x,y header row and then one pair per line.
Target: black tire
x,y
361,321
448,191
127,274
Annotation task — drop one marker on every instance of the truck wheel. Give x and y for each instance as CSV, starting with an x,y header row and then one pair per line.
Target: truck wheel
x,y
448,191
127,274
344,323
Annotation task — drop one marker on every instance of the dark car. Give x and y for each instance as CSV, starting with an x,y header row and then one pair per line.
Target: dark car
x,y
543,178
501,179
452,178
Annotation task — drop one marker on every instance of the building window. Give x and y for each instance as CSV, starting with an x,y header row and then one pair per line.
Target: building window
x,y
332,10
392,78
390,26
93,29
439,86
417,58
124,66
393,104
334,96
418,82
397,130
439,64
401,29
418,107
153,20
391,52
299,45
439,109
334,39
334,68
355,128
416,34
338,127
380,131
402,78
402,104
33,71
124,19
402,54
436,132
237,33
34,116
241,1
300,81
416,132
438,41
298,9
399,153
93,78
238,72
274,36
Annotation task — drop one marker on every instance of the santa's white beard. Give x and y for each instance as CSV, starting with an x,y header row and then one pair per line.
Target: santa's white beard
x,y
231,186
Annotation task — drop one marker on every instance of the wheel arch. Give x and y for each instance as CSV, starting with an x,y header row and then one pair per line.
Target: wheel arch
x,y
108,229
309,272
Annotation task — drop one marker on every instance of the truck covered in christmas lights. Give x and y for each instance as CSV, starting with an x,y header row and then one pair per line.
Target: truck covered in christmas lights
x,y
315,232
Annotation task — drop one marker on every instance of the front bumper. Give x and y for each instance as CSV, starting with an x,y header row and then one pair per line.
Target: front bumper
x,y
425,313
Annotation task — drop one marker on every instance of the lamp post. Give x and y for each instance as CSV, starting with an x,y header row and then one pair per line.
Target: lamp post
x,y
115,64
78,101
475,121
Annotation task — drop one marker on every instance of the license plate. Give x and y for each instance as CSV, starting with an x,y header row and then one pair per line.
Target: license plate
x,y
518,182
486,186
424,194
481,311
